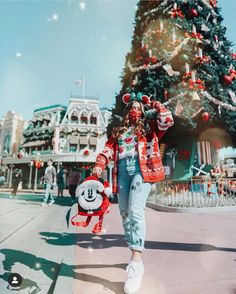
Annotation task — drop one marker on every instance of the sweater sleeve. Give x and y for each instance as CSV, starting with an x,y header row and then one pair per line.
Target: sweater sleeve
x,y
164,119
107,154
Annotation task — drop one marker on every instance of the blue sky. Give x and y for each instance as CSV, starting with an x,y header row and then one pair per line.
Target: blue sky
x,y
59,41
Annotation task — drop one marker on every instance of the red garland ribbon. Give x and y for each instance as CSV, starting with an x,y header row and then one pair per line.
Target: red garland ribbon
x,y
233,73
177,12
197,84
186,76
213,3
204,59
193,85
196,35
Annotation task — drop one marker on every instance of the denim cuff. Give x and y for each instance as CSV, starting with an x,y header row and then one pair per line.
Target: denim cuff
x,y
136,247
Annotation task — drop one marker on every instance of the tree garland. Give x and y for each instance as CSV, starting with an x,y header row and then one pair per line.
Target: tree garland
x,y
206,95
146,67
218,102
205,2
208,5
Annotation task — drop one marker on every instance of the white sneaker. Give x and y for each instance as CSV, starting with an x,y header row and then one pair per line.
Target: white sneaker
x,y
51,202
135,274
43,204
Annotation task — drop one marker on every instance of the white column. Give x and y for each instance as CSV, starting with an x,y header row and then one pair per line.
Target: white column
x,y
7,175
10,179
30,176
35,179
56,140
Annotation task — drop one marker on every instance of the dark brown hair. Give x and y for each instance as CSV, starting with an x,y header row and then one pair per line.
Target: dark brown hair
x,y
125,124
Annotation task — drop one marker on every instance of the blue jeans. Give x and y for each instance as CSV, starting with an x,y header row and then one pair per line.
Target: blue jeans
x,y
132,194
48,195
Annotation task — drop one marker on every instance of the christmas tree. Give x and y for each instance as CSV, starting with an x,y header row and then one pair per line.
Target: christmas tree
x,y
181,57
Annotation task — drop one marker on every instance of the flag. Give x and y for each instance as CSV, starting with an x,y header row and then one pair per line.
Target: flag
x,y
79,82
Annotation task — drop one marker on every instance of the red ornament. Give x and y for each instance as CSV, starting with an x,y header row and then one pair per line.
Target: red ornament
x,y
153,59
19,155
205,116
86,152
234,56
193,13
38,165
228,80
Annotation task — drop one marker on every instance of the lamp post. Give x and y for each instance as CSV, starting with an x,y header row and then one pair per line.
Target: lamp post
x,y
30,175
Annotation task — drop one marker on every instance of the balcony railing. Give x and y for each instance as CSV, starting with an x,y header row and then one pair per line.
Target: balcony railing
x,y
42,152
195,193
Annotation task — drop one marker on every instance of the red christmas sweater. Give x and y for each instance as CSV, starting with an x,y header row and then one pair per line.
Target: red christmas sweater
x,y
148,150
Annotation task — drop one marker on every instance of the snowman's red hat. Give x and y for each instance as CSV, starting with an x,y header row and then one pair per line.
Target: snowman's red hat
x,y
90,182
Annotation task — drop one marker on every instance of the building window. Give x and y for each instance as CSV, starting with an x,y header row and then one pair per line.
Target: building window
x,y
92,148
93,120
84,118
73,147
74,119
82,146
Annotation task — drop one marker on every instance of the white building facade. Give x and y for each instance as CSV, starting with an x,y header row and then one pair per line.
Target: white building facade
x,y
72,135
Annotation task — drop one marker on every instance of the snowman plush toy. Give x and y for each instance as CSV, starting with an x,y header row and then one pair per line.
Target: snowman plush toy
x,y
92,201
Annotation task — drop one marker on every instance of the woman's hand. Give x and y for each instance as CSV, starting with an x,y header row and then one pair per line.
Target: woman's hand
x,y
156,105
96,171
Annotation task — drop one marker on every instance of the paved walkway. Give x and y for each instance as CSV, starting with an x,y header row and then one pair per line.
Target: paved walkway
x,y
26,233
185,253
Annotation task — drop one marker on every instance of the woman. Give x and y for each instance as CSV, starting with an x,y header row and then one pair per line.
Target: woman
x,y
137,163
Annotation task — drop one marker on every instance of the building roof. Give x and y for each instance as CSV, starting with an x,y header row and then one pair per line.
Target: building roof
x,y
50,107
83,97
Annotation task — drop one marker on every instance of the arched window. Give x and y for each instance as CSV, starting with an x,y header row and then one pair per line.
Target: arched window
x,y
93,118
74,118
84,117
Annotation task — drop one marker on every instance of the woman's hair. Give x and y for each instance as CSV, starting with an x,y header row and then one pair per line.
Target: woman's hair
x,y
124,125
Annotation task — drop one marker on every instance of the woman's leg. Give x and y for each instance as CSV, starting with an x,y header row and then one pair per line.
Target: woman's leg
x,y
123,188
139,192
137,202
